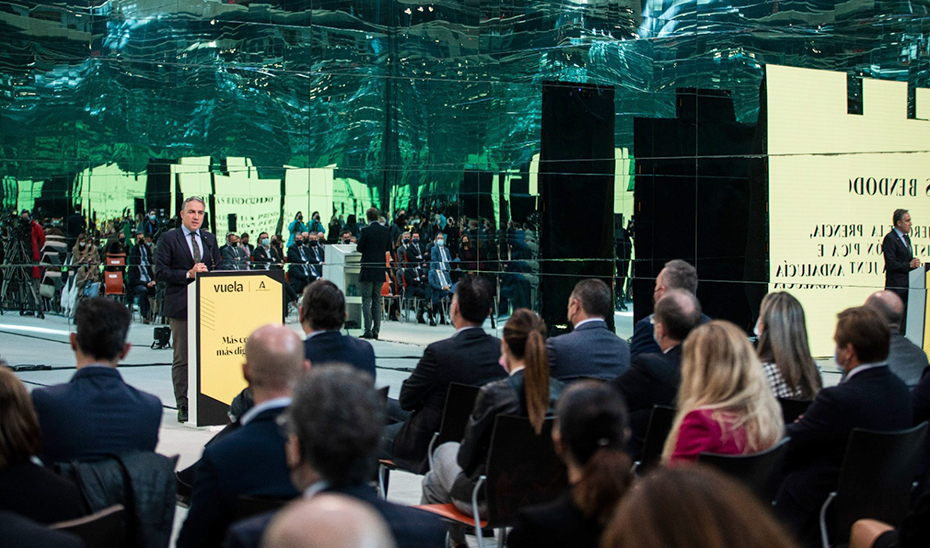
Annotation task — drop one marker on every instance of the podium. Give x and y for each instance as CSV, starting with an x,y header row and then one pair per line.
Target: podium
x,y
224,308
342,266
916,326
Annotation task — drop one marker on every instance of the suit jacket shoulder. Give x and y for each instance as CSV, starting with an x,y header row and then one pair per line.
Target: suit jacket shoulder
x,y
591,350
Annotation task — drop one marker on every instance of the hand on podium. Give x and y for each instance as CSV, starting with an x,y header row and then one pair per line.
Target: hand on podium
x,y
915,262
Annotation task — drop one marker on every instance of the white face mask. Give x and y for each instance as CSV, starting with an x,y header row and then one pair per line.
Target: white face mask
x,y
655,336
836,363
756,330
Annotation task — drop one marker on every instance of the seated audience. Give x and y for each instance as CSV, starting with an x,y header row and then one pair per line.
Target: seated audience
x,y
322,313
590,437
869,397
591,349
676,274
328,521
142,275
914,531
693,507
790,371
249,460
528,392
905,359
333,433
470,356
653,378
26,488
468,255
21,532
724,405
416,286
441,287
97,414
234,256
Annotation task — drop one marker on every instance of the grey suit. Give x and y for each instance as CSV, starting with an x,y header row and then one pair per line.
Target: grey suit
x,y
591,350
906,359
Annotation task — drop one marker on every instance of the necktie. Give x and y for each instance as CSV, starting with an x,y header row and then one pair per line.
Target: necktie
x,y
195,247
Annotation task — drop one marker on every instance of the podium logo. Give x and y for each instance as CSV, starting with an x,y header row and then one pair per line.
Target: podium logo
x,y
228,288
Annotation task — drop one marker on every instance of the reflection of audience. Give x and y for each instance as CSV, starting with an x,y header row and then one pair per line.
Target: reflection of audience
x,y
141,274
417,286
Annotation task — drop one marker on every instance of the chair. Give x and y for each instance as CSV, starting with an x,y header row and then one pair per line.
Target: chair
x,y
103,529
660,424
876,480
522,470
113,285
758,471
248,506
792,409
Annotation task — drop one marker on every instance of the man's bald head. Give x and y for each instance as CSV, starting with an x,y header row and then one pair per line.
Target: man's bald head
x,y
328,521
889,305
680,312
274,359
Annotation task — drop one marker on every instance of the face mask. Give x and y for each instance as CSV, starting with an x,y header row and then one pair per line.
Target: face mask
x,y
440,242
406,241
756,330
140,241
83,245
347,241
299,242
836,363
416,240
313,243
152,216
266,242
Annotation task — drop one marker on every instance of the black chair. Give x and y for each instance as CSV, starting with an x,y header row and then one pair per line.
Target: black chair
x,y
792,409
660,424
522,470
103,529
758,471
875,482
248,506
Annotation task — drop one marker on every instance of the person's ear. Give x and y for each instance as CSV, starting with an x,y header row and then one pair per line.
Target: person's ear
x,y
245,372
74,345
292,451
306,365
124,353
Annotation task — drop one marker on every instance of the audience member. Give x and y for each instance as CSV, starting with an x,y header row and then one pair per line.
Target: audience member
x,y
233,255
86,259
328,521
653,378
416,286
333,432
591,349
528,392
245,245
693,507
470,356
250,460
676,274
590,436
914,531
724,404
20,532
298,272
439,254
869,397
441,286
468,255
97,414
413,252
374,243
142,275
905,359
34,243
26,488
790,371
322,313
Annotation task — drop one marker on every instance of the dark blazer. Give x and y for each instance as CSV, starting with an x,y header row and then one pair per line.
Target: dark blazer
x,y
19,532
653,379
333,346
373,241
920,398
591,350
172,261
643,341
249,461
906,359
471,357
266,259
559,524
94,415
297,265
897,262
134,263
37,493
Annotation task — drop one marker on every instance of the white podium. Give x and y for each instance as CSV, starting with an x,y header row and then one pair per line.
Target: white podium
x,y
342,266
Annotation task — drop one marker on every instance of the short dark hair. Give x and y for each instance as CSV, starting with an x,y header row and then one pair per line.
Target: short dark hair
x,y
680,275
474,297
594,296
372,214
338,417
244,235
897,216
324,305
866,330
102,325
679,311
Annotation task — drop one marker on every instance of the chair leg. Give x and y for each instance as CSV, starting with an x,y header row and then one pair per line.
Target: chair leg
x,y
384,479
501,535
824,534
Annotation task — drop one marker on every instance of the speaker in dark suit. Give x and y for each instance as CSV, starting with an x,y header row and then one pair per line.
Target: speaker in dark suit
x,y
899,257
374,243
181,254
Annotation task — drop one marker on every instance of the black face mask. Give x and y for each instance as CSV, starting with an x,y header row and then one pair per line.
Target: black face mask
x,y
313,243
416,241
406,242
347,241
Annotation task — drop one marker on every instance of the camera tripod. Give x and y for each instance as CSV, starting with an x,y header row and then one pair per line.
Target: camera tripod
x,y
18,289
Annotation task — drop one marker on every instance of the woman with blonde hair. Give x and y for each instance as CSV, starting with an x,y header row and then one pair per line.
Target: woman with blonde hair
x,y
789,369
724,405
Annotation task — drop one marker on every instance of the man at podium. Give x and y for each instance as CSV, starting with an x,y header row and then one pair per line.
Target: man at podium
x,y
899,256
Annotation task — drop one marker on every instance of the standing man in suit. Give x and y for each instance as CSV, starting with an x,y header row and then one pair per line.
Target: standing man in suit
x,y
869,397
322,313
590,350
182,253
374,243
899,257
676,274
249,460
470,356
97,414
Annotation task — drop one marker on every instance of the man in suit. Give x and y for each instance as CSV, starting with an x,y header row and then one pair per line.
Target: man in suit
x,y
333,431
331,520
141,274
653,378
590,350
441,287
245,245
416,282
97,413
297,272
322,313
676,274
869,397
413,251
470,356
249,460
905,359
374,243
233,256
314,253
899,256
182,253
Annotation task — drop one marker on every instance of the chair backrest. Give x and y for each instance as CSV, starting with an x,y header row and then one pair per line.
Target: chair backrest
x,y
792,409
876,478
758,471
248,506
522,468
660,424
460,400
103,529
113,283
116,259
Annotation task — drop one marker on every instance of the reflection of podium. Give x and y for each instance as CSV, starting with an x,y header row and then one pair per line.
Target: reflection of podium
x,y
224,308
916,321
342,266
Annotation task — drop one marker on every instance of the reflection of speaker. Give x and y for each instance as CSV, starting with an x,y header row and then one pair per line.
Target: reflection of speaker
x,y
576,188
231,220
